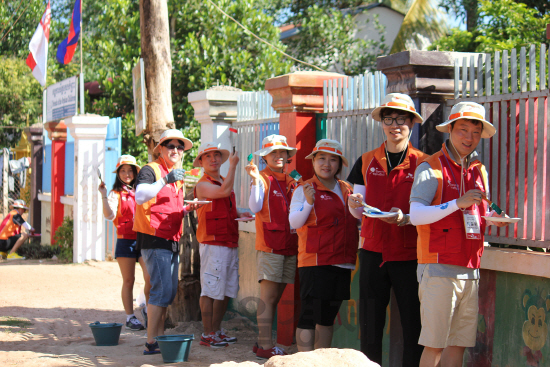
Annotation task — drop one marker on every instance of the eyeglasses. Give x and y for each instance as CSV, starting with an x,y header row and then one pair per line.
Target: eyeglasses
x,y
400,120
180,148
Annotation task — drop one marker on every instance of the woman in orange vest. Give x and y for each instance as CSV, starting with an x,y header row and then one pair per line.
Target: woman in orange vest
x,y
327,246
119,207
276,243
11,237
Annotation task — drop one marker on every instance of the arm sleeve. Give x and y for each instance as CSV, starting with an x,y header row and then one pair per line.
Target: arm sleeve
x,y
427,214
358,189
356,174
299,209
27,226
145,192
424,186
256,199
112,201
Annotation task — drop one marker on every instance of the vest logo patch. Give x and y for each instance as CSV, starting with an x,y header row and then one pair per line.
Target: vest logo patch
x,y
452,186
409,175
325,197
277,193
124,198
376,172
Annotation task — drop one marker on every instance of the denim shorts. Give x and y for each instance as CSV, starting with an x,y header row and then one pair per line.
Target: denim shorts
x,y
162,266
126,248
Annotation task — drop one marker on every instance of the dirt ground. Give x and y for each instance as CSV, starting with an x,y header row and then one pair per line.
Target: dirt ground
x,y
45,309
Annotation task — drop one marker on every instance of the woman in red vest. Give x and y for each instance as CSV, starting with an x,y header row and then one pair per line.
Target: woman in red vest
x,y
327,246
120,207
276,243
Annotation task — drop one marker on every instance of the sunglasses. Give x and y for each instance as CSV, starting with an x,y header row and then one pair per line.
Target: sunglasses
x,y
180,148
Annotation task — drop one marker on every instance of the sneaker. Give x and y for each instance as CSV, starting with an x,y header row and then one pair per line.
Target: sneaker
x,y
144,315
255,348
3,254
134,324
223,337
151,348
14,256
268,353
213,341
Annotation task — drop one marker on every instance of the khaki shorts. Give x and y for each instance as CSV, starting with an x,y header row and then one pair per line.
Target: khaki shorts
x,y
276,268
448,310
219,271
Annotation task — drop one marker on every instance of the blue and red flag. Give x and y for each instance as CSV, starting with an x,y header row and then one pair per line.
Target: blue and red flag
x,y
66,49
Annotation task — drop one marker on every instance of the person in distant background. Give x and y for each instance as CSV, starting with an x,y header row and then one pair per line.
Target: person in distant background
x,y
11,237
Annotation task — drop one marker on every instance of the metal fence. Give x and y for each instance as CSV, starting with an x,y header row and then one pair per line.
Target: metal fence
x,y
513,89
349,102
15,180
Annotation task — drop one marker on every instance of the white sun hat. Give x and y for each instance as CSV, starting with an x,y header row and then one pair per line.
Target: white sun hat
x,y
173,134
210,147
469,111
274,142
19,204
397,101
331,147
126,159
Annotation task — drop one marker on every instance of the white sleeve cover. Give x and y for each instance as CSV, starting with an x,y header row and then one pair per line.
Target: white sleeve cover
x,y
358,189
256,199
421,214
145,192
27,226
299,209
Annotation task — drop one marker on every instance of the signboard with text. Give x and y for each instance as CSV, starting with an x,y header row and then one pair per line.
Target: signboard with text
x,y
138,81
62,99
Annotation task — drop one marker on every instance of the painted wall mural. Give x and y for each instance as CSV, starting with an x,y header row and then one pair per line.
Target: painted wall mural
x,y
536,305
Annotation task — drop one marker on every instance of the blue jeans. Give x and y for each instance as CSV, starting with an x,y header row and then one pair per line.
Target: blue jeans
x,y
162,266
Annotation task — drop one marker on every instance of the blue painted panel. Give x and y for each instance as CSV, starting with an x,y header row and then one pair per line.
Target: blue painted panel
x,y
113,146
267,129
69,166
47,164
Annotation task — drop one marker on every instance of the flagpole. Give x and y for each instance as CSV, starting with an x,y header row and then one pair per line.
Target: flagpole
x,y
81,62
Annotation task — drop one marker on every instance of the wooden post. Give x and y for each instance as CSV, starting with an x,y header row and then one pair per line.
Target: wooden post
x,y
34,135
58,134
5,187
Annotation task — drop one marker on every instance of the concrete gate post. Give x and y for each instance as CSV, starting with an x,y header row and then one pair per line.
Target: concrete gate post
x,y
34,136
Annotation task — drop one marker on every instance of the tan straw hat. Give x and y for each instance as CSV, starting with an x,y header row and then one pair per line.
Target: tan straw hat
x,y
397,101
469,111
19,204
126,159
173,134
275,142
331,147
210,147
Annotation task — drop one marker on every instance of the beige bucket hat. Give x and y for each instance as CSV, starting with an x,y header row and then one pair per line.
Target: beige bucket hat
x,y
126,159
209,147
397,101
19,204
470,111
331,147
274,142
173,134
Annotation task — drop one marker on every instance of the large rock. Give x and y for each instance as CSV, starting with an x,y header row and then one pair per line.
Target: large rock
x,y
329,357
235,364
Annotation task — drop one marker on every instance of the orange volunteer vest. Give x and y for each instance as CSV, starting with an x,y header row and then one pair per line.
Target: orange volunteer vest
x,y
8,228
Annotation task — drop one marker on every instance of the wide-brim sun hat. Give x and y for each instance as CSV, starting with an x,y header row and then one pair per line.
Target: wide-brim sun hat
x,y
173,134
469,111
19,204
275,142
331,147
397,101
210,147
126,159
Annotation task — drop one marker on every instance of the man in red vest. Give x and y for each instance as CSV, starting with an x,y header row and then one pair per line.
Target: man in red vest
x,y
11,237
447,205
383,178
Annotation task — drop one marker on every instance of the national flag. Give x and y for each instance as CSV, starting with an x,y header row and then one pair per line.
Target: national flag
x,y
66,49
38,57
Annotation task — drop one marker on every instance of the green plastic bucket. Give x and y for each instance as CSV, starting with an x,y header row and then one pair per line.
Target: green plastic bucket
x,y
175,348
106,334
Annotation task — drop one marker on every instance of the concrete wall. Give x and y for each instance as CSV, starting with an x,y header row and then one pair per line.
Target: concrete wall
x,y
390,19
46,207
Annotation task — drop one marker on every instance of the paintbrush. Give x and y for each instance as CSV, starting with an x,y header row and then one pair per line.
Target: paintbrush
x,y
99,175
493,206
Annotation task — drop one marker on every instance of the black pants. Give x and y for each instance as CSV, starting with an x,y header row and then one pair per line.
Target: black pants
x,y
375,283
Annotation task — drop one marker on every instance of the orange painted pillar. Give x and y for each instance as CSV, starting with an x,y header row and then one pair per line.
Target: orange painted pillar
x,y
297,97
57,131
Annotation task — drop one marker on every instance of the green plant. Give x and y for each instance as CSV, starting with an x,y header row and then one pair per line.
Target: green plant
x,y
10,324
63,238
34,250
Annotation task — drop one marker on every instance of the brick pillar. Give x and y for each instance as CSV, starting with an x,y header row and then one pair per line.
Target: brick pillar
x,y
57,131
297,97
34,136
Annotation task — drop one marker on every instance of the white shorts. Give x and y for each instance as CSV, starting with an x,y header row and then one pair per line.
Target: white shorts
x,y
219,271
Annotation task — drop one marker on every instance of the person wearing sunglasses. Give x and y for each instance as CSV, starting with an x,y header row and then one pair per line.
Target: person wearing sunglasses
x,y
159,225
383,178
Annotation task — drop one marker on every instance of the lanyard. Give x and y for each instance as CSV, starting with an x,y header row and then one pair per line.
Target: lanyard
x,y
282,192
454,179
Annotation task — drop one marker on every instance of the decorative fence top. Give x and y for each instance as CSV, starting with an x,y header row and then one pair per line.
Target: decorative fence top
x,y
255,106
354,92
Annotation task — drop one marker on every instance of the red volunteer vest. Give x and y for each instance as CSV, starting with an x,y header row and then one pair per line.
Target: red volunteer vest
x,y
445,241
272,220
124,220
217,224
384,192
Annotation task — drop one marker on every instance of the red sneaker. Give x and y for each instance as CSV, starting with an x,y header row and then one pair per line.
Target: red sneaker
x,y
255,348
212,340
268,353
223,337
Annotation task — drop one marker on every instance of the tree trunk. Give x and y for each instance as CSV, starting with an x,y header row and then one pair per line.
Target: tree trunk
x,y
470,7
155,51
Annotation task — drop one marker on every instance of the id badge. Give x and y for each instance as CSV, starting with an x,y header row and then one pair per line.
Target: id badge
x,y
471,224
293,231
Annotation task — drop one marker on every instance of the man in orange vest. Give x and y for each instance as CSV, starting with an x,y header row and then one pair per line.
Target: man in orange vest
x,y
11,237
218,235
447,205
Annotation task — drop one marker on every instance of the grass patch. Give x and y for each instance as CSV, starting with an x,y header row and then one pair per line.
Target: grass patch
x,y
8,324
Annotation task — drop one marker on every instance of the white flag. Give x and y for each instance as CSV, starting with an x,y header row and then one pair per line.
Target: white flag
x,y
38,57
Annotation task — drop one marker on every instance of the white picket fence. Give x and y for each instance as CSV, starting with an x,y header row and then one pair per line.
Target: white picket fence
x,y
517,157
